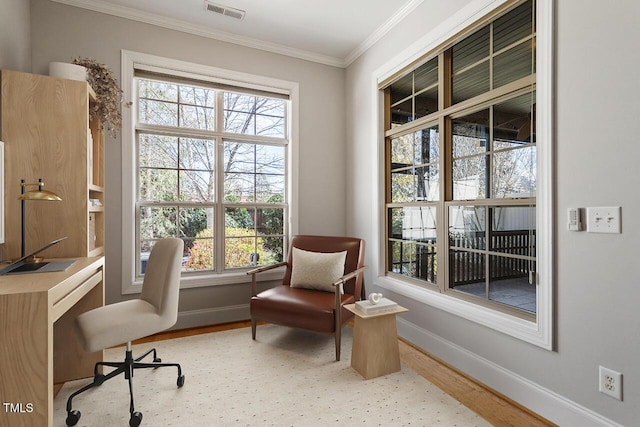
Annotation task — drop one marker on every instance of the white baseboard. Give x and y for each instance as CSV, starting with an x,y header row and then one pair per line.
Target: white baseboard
x,y
212,316
538,399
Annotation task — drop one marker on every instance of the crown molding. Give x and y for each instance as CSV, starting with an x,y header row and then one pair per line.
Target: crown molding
x,y
200,30
381,31
203,31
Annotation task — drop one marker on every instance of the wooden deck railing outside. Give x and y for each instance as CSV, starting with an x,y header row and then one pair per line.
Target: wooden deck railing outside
x,y
468,266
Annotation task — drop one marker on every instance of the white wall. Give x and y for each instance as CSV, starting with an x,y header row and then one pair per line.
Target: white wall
x,y
597,284
15,49
60,33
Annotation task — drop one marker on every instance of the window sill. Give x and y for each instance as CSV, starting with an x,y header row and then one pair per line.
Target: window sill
x,y
516,327
207,280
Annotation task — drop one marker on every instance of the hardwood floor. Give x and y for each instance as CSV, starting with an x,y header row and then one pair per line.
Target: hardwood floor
x,y
490,405
498,410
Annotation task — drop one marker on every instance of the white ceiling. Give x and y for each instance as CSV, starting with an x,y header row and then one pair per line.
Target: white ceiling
x,y
333,32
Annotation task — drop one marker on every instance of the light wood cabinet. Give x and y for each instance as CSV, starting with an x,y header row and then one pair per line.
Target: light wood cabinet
x,y
48,134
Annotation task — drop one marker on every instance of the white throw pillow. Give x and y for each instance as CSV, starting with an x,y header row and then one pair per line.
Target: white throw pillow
x,y
317,270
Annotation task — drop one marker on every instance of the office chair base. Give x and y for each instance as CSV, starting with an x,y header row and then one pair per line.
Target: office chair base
x,y
127,368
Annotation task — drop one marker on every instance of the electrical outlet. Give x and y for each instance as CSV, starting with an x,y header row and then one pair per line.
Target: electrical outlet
x,y
603,220
610,382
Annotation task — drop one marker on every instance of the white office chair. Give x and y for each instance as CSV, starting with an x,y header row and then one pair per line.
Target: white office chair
x,y
114,324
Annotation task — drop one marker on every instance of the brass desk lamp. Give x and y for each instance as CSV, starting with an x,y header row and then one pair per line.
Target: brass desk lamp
x,y
38,194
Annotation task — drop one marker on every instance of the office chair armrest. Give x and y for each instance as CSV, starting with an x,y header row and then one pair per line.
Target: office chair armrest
x,y
254,271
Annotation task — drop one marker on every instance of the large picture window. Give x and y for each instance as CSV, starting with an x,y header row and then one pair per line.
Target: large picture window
x,y
461,166
203,180
212,166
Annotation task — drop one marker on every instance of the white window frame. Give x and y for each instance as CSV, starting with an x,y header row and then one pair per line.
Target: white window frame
x,y
131,61
540,331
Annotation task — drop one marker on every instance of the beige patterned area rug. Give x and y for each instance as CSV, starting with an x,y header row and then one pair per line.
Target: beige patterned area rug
x,y
287,377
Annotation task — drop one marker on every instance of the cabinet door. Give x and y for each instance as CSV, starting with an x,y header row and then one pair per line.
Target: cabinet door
x,y
44,127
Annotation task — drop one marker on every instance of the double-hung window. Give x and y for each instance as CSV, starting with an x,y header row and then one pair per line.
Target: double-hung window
x,y
461,166
211,167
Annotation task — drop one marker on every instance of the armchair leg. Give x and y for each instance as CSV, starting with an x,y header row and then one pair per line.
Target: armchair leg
x,y
253,328
337,319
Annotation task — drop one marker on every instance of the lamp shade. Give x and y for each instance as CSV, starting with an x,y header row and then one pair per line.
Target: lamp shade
x,y
39,195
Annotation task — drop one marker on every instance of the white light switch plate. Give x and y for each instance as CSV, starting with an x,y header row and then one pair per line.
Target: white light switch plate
x,y
603,220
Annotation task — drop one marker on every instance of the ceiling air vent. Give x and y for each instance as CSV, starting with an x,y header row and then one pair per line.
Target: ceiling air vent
x,y
224,10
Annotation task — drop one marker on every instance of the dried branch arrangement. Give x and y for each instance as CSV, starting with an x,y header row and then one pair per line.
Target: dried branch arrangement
x,y
108,93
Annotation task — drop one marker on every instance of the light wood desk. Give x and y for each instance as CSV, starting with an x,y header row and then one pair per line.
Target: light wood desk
x,y
375,350
38,345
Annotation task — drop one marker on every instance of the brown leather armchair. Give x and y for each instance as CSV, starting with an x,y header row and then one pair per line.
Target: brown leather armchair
x,y
311,309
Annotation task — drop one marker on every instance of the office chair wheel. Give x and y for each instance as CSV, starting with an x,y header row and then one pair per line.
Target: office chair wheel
x,y
73,417
180,382
136,419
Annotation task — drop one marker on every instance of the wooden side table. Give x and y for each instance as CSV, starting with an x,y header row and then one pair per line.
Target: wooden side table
x,y
375,350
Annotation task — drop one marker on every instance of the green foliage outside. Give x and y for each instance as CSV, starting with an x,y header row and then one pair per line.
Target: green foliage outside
x,y
237,249
201,252
243,237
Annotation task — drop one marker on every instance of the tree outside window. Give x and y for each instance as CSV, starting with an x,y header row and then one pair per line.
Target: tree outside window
x,y
219,183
